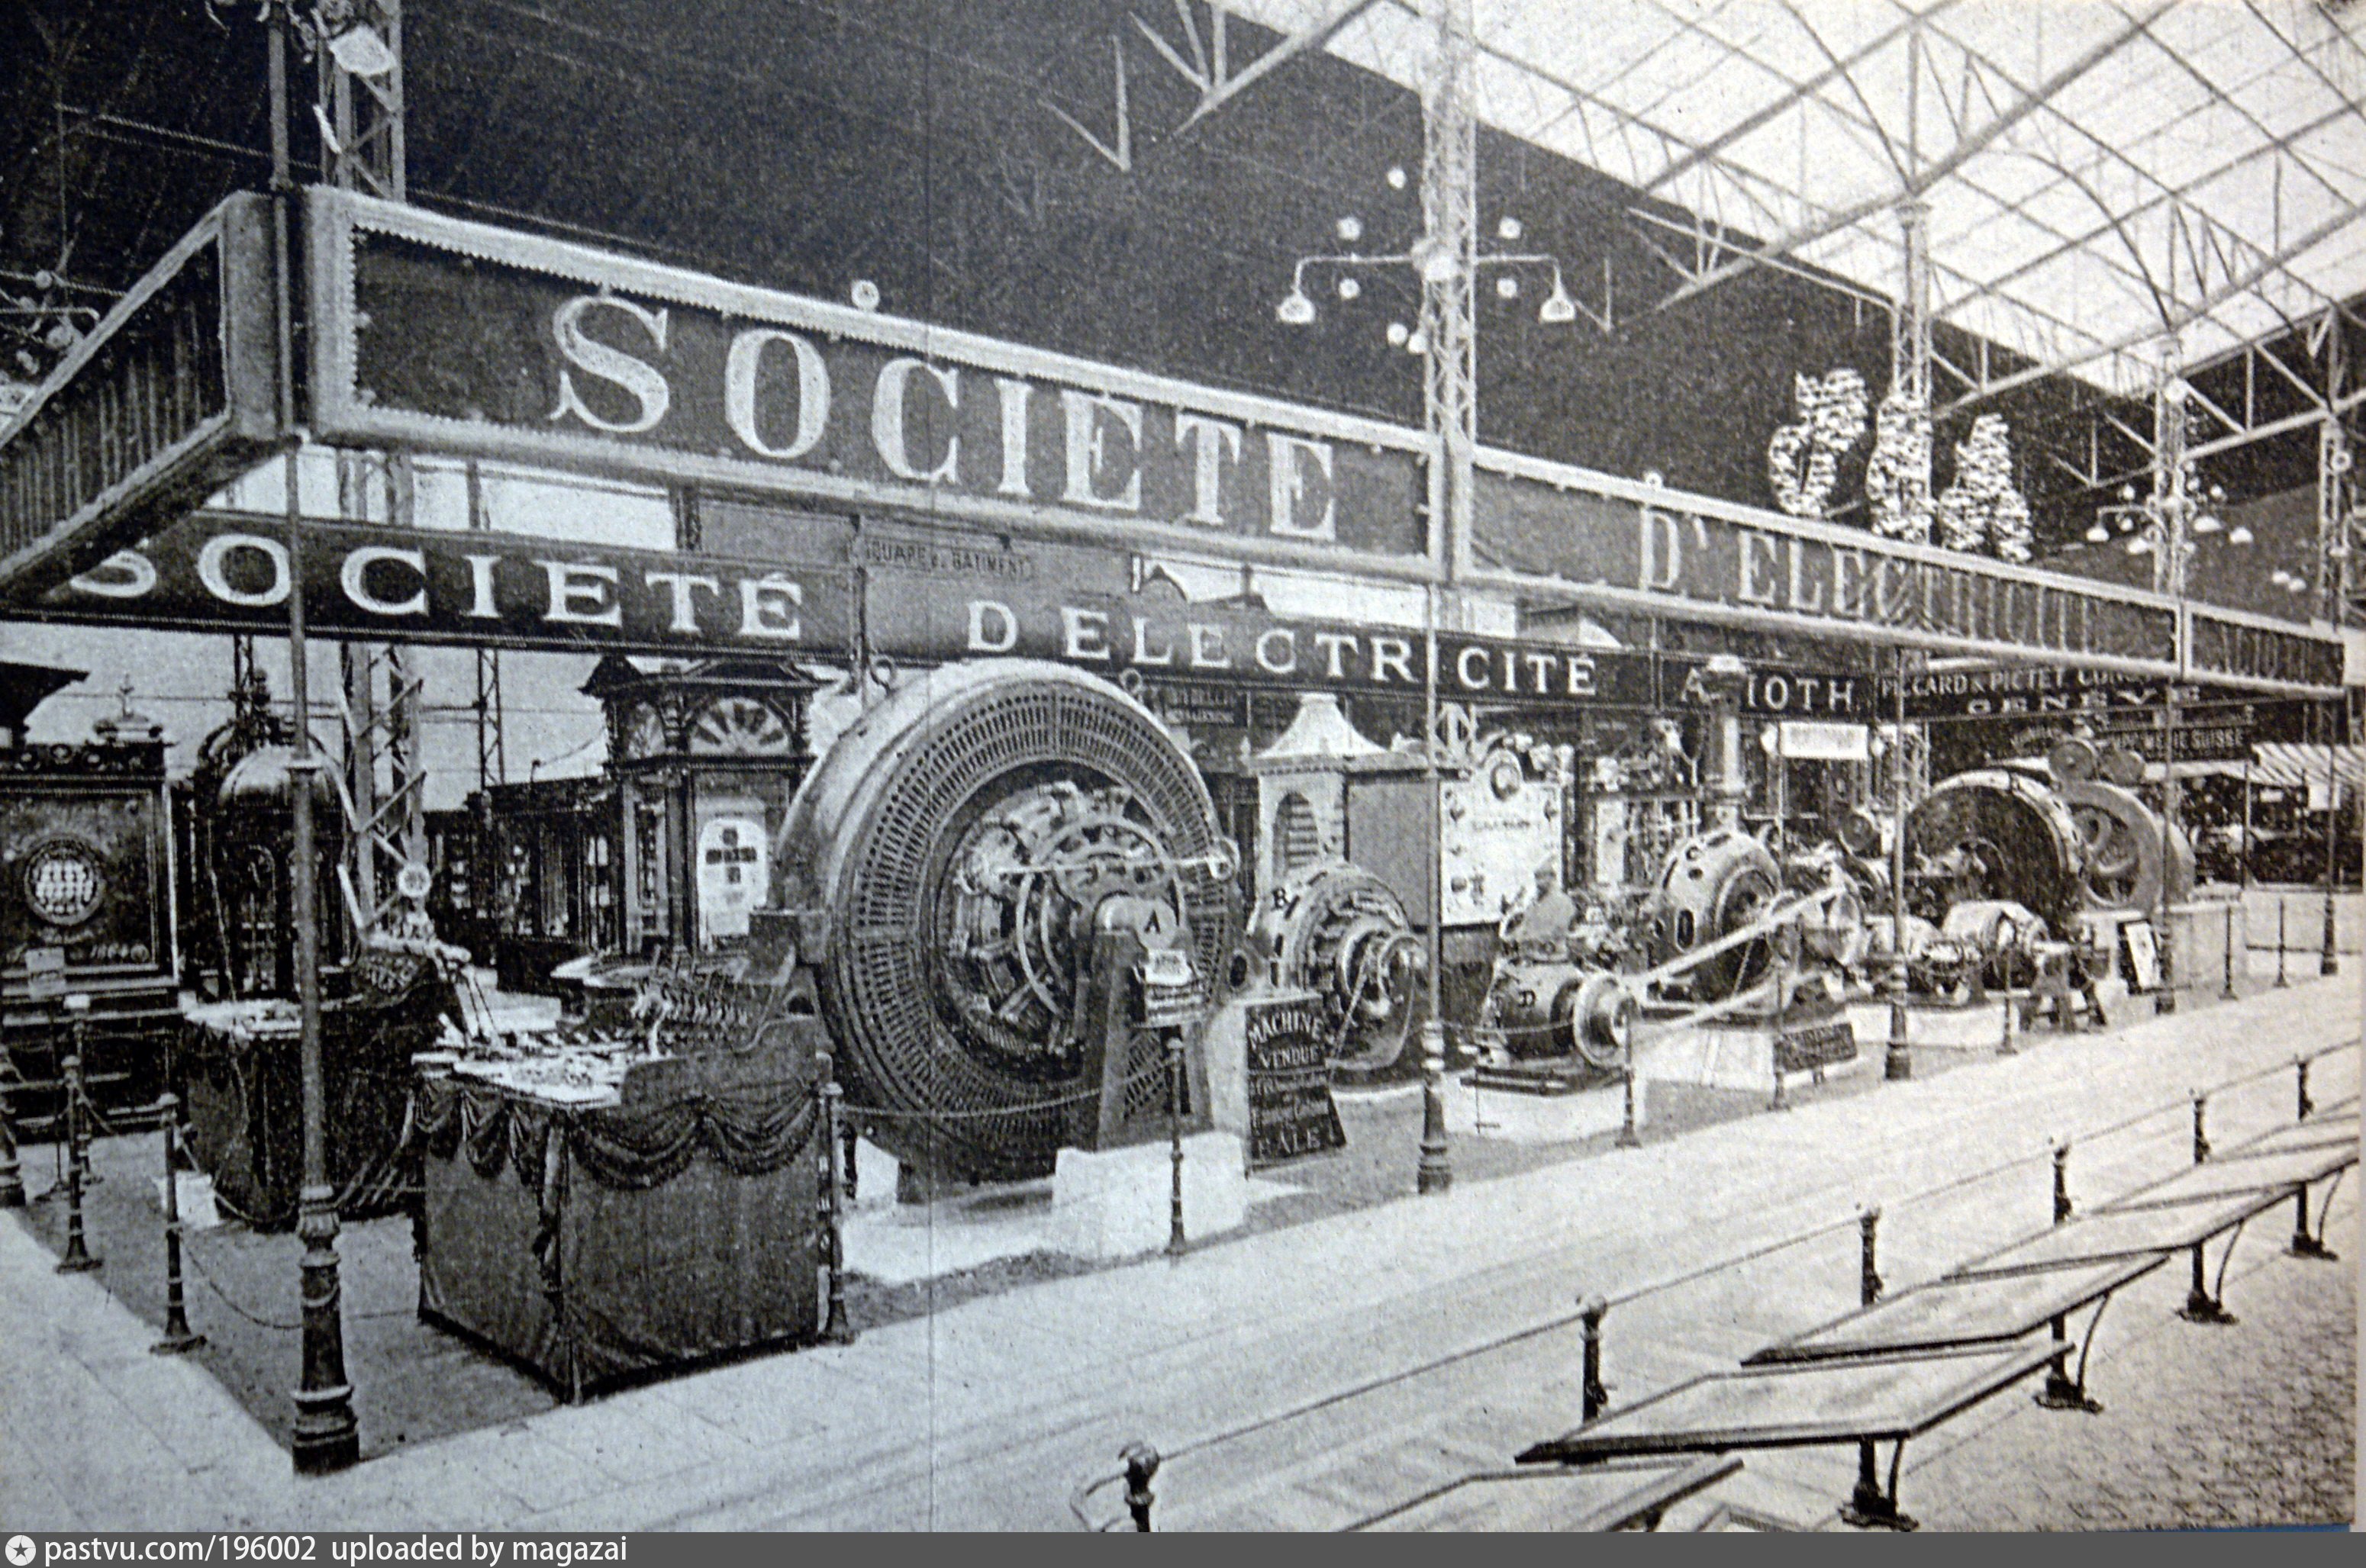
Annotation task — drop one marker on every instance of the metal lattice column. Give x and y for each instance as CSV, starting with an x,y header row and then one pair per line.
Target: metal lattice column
x,y
2340,526
493,751
386,785
1909,332
1447,263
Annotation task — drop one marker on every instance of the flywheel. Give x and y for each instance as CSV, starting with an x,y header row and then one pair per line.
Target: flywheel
x,y
2126,856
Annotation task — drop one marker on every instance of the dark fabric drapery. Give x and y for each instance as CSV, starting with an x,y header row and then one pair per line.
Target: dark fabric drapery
x,y
656,1234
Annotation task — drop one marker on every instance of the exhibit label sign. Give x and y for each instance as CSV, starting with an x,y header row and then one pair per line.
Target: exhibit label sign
x,y
172,395
1290,1109
230,572
433,333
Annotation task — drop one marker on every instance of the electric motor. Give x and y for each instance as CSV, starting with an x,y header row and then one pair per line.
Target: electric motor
x,y
1993,834
1558,1009
1713,885
1338,931
951,862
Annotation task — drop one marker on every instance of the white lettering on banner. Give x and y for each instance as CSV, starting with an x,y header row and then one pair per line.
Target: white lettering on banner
x,y
1088,415
768,608
1394,654
1208,647
1462,669
684,586
480,586
1286,479
1006,634
353,577
887,420
1271,665
1749,589
644,381
216,555
1014,395
741,370
1142,650
1209,441
1086,635
582,595
139,577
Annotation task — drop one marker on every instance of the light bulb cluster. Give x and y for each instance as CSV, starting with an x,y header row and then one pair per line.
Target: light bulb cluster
x,y
1434,260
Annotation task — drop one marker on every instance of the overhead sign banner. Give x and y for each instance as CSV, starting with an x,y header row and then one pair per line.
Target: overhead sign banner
x,y
2230,642
431,333
1159,635
1667,553
1769,690
228,572
172,395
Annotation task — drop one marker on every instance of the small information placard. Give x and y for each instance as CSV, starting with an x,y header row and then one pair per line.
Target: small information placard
x,y
2140,956
45,973
1290,1109
1815,1044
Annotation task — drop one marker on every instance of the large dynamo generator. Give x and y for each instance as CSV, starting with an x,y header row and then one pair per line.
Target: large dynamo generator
x,y
960,869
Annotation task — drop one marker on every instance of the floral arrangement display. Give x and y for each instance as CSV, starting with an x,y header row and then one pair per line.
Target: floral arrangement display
x,y
1803,458
1983,509
1898,476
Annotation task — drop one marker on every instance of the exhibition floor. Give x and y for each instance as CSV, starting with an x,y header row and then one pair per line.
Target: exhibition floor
x,y
990,1413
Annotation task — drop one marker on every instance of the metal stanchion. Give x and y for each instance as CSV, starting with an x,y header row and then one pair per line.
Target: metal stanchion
x,y
2201,1136
834,1329
2201,1306
179,1337
2281,978
849,1136
1435,1172
1627,1137
2307,1105
1868,1276
2304,1245
2005,1047
12,1174
1140,1464
1175,1243
2226,992
1594,1396
2329,963
2061,1181
1896,1060
78,1258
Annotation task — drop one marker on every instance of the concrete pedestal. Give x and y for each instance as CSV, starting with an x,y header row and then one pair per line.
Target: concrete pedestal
x,y
1515,1117
1115,1204
2200,932
1713,1058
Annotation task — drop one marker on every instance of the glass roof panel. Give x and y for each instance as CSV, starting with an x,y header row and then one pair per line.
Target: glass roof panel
x,y
2069,153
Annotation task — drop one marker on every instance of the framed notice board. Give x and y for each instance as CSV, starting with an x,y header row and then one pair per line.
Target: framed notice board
x,y
1291,1110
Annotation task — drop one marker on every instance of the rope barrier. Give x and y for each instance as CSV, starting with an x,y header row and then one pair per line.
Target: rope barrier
x,y
868,1113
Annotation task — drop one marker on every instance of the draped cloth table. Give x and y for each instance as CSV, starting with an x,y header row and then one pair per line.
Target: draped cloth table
x,y
596,1241
240,1075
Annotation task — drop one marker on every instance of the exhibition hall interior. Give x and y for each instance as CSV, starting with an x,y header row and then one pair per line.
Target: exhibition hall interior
x,y
1107,765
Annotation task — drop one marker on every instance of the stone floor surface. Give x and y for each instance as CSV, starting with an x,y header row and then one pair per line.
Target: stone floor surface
x,y
1259,1364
